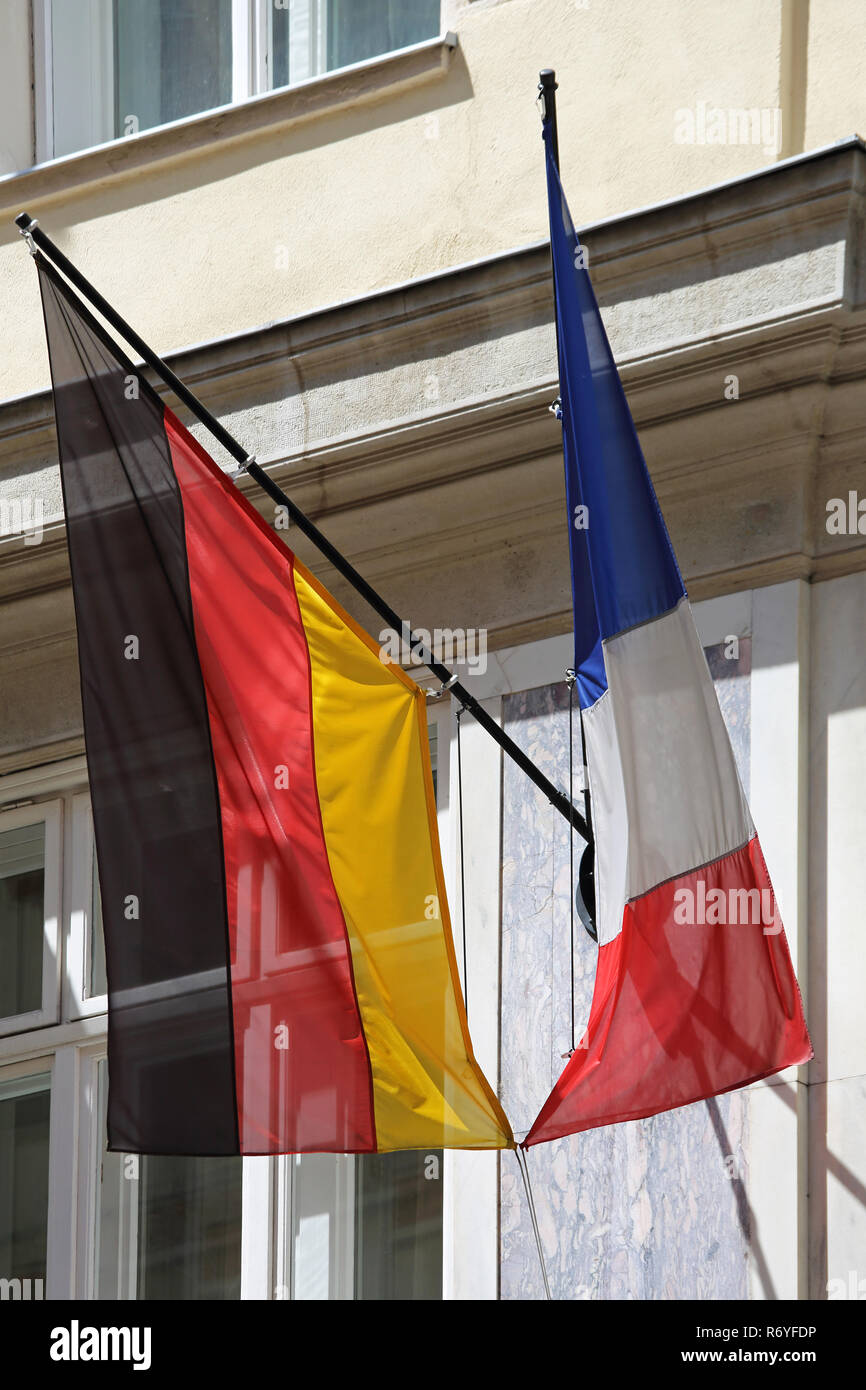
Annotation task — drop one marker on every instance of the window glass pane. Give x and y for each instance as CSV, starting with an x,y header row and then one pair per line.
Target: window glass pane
x,y
359,29
279,46
310,36
398,1226
189,1238
280,59
168,1227
81,74
24,1119
322,1231
97,982
22,914
172,58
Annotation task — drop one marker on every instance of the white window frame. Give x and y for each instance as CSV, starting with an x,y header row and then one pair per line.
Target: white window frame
x,y
49,814
79,916
90,1155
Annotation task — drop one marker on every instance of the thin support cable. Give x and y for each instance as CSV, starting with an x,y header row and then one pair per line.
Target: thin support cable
x,y
460,714
527,1187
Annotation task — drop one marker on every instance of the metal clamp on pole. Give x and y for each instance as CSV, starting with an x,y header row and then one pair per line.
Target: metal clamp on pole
x,y
443,689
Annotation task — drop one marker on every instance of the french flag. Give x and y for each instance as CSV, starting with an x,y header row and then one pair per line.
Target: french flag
x,y
695,993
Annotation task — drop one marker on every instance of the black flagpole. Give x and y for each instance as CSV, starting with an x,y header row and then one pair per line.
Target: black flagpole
x,y
547,85
33,233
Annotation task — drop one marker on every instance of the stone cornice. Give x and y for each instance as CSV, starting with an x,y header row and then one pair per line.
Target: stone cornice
x,y
799,411
804,197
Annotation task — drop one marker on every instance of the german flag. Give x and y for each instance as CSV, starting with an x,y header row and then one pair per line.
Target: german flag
x,y
281,971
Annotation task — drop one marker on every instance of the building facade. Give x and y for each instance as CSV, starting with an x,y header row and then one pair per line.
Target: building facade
x,y
335,230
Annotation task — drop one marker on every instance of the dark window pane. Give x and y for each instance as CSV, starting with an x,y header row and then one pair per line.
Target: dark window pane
x,y
359,29
24,1120
398,1231
279,47
172,58
22,889
190,1228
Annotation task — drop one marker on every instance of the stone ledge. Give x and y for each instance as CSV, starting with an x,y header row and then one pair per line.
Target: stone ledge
x,y
228,125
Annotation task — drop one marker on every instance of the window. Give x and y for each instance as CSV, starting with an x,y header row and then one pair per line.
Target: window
x,y
29,916
118,1226
309,37
171,59
25,1104
398,1226
167,1227
364,1227
112,68
22,894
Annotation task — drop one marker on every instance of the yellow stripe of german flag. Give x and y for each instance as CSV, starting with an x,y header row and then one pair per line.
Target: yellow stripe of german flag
x,y
376,797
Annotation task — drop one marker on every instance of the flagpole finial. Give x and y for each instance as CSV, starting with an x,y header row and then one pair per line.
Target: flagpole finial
x,y
25,224
547,87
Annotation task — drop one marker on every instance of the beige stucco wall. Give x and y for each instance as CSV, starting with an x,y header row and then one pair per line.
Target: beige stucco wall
x,y
836,90
243,232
